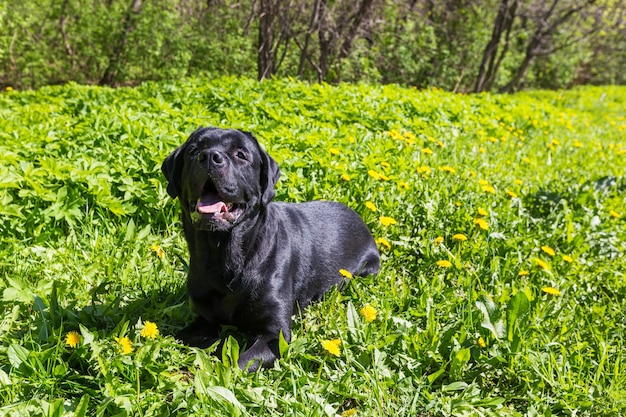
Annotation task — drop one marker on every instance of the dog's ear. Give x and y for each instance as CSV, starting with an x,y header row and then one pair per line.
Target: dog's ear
x,y
269,177
269,173
172,168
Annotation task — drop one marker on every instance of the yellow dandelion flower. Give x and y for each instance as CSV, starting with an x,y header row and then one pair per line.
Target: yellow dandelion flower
x,y
482,212
126,346
567,258
332,346
345,177
72,339
511,194
381,241
345,273
482,223
458,204
483,182
349,413
526,160
403,185
158,250
370,206
551,291
374,174
150,330
427,151
385,164
459,237
9,88
334,151
523,273
615,214
541,264
518,182
438,240
447,168
489,189
481,342
548,250
444,264
424,170
383,177
387,221
369,313
351,139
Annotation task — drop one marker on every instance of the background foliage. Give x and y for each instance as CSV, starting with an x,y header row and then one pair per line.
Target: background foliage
x,y
502,286
412,42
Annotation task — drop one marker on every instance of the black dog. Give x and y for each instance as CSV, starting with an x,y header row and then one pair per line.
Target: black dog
x,y
253,264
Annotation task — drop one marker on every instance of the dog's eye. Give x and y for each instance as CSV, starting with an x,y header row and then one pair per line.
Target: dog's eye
x,y
241,155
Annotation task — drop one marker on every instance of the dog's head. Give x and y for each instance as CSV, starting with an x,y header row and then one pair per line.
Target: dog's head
x,y
220,176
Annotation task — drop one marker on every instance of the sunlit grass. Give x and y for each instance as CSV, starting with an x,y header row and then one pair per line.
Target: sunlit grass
x,y
500,220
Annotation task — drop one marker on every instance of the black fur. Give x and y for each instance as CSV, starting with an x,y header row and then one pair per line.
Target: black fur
x,y
254,264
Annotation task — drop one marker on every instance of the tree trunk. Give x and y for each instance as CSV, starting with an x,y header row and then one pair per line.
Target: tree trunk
x,y
490,62
265,58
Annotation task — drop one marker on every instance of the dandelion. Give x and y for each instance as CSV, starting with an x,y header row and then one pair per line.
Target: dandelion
x,y
438,240
72,339
482,212
385,164
519,182
523,273
334,151
551,291
548,250
158,250
383,177
427,151
403,185
459,237
126,346
332,346
369,313
9,88
444,264
541,264
374,174
370,206
387,221
615,214
423,170
150,330
349,413
447,168
381,241
345,273
511,194
482,223
345,177
481,342
489,189
526,160
567,258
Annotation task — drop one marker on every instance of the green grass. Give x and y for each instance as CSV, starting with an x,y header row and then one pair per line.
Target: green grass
x,y
83,207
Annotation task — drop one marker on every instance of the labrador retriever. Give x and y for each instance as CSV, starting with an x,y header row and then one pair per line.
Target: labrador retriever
x,y
255,263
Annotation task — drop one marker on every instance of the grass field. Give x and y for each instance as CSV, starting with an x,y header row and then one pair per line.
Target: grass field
x,y
501,222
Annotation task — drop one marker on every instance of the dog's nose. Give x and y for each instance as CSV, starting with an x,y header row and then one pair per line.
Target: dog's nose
x,y
212,156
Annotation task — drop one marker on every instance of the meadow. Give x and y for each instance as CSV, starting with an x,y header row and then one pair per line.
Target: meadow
x,y
501,220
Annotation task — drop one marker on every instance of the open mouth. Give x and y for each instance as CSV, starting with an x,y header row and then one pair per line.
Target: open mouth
x,y
213,206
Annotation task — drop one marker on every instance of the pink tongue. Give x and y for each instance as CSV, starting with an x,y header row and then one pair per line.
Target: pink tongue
x,y
211,204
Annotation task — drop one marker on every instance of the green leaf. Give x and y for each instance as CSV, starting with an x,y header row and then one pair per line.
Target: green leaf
x,y
517,308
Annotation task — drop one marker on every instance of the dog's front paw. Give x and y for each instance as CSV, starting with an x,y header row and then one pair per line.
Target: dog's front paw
x,y
198,334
